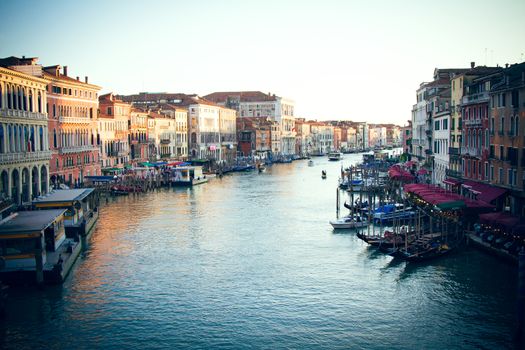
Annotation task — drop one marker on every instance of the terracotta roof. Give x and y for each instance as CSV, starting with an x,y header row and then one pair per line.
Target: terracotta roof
x,y
61,76
175,99
243,96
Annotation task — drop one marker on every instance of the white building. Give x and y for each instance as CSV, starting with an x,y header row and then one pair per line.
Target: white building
x,y
258,104
24,137
441,137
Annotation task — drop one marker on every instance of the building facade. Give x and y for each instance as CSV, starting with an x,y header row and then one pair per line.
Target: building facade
x,y
114,120
73,123
24,141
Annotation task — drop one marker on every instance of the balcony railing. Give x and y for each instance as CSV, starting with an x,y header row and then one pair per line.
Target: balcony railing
x,y
453,173
453,151
476,98
472,122
25,156
77,149
74,120
471,151
14,113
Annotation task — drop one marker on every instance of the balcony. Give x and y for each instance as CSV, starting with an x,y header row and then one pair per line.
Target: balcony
x,y
77,149
14,113
74,120
453,151
165,141
476,98
472,122
453,173
25,157
470,151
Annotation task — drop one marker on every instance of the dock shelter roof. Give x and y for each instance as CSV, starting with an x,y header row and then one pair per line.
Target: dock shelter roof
x,y
485,192
29,221
444,199
57,196
397,173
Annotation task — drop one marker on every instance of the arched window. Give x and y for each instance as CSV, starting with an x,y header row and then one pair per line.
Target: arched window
x,y
487,138
20,104
54,110
480,139
54,138
2,139
39,102
517,127
9,97
33,144
41,138
512,125
30,101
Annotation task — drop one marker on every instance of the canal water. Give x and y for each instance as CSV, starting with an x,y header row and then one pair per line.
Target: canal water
x,y
250,261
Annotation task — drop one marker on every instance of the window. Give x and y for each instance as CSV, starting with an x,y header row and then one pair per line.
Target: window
x,y
486,175
501,152
509,177
445,124
491,173
436,125
502,125
501,180
515,99
492,128
109,111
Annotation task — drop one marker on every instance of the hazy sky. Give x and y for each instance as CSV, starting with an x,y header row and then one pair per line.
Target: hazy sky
x,y
356,60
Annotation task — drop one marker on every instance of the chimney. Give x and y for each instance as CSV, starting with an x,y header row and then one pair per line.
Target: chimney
x,y
506,65
23,57
86,79
65,71
472,64
57,71
78,78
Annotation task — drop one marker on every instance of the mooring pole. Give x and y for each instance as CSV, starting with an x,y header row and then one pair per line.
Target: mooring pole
x,y
337,202
520,331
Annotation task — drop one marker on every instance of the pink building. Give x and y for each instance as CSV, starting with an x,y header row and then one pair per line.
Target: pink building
x,y
73,139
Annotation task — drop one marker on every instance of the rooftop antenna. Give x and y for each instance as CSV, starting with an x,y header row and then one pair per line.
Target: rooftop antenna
x,y
491,57
486,63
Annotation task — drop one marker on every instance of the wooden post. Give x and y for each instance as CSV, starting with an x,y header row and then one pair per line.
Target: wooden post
x,y
520,332
337,202
39,261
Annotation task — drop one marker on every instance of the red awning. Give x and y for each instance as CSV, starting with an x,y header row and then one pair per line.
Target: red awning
x,y
452,182
486,193
503,219
422,171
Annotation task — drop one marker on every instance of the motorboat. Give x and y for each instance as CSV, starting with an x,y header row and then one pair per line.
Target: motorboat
x,y
323,174
351,221
335,156
310,163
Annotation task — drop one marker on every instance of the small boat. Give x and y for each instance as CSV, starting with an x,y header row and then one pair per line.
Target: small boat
x,y
310,163
352,221
335,156
261,168
187,176
323,174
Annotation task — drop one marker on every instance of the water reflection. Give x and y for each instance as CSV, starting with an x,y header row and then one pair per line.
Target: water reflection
x,y
250,260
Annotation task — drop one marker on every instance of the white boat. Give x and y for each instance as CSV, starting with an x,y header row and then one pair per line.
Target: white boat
x,y
335,156
187,176
349,222
310,163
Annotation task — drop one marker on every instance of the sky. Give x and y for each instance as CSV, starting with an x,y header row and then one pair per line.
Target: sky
x,y
346,60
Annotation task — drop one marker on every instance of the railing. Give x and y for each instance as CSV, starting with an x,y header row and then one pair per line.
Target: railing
x,y
472,151
77,149
472,122
74,120
476,98
25,156
453,173
453,151
14,113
